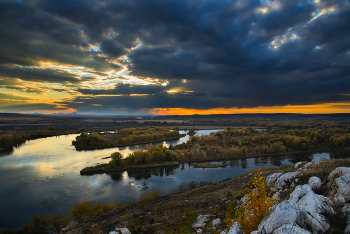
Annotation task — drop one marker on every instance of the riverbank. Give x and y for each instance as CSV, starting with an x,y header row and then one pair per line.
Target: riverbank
x,y
170,214
105,168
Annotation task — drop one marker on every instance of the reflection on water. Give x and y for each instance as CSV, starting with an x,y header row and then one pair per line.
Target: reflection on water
x,y
42,176
6,151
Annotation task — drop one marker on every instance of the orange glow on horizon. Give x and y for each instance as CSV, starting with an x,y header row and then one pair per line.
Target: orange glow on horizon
x,y
326,108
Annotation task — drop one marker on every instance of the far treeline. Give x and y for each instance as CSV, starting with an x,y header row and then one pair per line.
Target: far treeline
x,y
234,143
11,138
125,137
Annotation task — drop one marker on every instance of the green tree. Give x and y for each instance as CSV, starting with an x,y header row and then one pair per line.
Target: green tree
x,y
117,157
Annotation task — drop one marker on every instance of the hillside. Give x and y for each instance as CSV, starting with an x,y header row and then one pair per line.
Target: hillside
x,y
177,212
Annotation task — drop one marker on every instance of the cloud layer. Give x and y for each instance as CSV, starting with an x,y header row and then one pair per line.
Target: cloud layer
x,y
106,56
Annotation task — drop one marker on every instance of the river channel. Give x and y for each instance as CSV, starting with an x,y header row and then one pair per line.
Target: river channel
x,y
42,176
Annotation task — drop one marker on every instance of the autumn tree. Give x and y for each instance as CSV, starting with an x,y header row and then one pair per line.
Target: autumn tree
x,y
57,222
255,208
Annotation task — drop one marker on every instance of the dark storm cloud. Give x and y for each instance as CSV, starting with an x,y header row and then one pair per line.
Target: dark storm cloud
x,y
37,75
232,53
125,89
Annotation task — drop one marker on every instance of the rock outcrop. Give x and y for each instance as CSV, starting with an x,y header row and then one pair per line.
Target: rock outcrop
x,y
305,212
283,215
315,183
285,179
236,229
272,178
314,206
338,185
216,222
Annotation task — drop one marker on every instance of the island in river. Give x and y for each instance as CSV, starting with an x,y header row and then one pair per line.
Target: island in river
x,y
125,137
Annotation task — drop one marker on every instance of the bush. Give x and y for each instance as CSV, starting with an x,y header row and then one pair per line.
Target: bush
x,y
57,222
192,184
257,205
84,211
147,196
38,225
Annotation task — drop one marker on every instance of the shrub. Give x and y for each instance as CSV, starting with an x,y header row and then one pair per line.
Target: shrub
x,y
183,187
192,184
257,205
57,222
147,196
84,211
38,225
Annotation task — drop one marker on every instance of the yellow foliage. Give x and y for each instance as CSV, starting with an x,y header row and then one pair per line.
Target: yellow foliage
x,y
83,211
147,196
257,205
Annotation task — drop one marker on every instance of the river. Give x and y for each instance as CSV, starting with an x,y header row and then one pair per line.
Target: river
x,y
42,177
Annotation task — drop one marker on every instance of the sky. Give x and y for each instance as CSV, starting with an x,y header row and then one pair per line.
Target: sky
x,y
181,57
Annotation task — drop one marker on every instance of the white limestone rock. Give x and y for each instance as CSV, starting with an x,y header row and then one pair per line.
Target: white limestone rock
x,y
297,165
339,184
346,210
216,222
243,200
285,179
313,205
286,212
315,183
201,221
290,229
120,231
272,178
236,229
199,231
276,196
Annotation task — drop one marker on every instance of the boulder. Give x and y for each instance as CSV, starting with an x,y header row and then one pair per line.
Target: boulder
x,y
313,205
290,229
338,184
285,213
120,231
236,229
199,231
297,165
285,179
315,183
272,178
346,211
201,221
216,222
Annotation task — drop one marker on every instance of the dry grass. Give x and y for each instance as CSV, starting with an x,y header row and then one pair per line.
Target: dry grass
x,y
323,169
